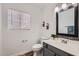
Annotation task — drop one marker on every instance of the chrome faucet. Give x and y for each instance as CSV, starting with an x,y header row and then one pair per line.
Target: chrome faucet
x,y
64,41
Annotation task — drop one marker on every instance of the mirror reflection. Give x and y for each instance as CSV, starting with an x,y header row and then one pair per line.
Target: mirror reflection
x,y
66,21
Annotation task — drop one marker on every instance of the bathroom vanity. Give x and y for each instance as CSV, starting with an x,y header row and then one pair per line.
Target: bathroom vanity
x,y
54,48
49,50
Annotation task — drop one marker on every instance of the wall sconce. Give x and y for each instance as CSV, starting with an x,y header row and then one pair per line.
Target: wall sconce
x,y
47,26
64,6
43,25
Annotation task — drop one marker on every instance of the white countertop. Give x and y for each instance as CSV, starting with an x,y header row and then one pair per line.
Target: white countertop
x,y
71,47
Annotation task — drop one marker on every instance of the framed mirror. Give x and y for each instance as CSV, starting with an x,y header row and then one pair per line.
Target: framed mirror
x,y
67,22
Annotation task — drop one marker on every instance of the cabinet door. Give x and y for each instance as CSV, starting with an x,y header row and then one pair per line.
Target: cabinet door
x,y
58,51
47,52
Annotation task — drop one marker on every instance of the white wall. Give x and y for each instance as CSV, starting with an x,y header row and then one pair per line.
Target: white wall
x,y
49,17
12,39
0,31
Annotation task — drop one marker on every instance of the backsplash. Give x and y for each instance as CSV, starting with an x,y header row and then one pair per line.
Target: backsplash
x,y
70,38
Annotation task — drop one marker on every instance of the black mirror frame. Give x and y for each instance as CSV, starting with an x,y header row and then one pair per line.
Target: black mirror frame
x,y
76,23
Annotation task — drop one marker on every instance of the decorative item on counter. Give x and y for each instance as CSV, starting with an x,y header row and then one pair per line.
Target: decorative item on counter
x,y
47,26
43,25
54,36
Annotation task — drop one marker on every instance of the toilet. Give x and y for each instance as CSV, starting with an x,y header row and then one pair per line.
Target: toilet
x,y
36,48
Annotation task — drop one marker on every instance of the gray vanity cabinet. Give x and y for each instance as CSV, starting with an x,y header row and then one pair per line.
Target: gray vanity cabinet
x,y
49,50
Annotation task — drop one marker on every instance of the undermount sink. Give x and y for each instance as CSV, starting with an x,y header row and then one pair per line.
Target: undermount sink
x,y
61,40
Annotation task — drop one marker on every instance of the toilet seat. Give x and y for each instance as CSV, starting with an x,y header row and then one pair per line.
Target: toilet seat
x,y
37,46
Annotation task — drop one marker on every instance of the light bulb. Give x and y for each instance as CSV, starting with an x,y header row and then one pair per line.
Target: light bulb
x,y
64,6
56,9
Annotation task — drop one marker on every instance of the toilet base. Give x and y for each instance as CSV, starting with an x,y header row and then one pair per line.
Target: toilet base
x,y
35,54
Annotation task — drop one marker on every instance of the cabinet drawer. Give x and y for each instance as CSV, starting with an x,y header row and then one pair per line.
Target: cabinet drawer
x,y
57,51
47,52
